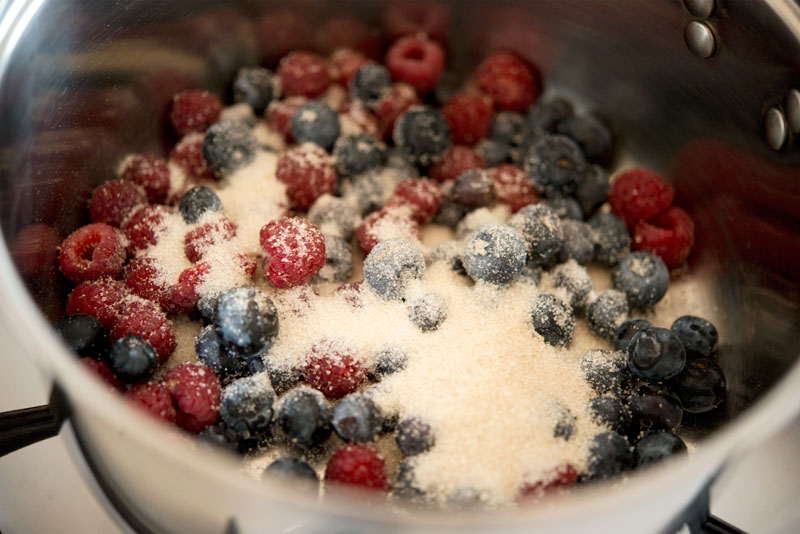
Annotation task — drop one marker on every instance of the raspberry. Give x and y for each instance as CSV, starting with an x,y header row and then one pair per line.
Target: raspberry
x,y
183,296
357,465
509,80
91,252
194,111
280,114
332,369
150,172
639,195
345,63
469,117
145,319
303,74
199,240
195,390
248,265
669,236
400,97
188,154
142,226
513,187
154,399
102,370
563,478
35,250
295,249
308,172
388,223
141,276
417,61
112,201
421,195
455,162
102,299
355,118
351,293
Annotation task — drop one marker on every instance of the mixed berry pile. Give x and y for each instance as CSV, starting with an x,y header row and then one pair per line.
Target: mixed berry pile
x,y
522,182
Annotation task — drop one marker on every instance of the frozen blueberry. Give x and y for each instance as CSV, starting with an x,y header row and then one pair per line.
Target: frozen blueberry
x,y
607,312
357,154
592,136
304,415
626,331
698,335
338,260
228,146
607,372
207,306
414,436
519,152
196,202
654,407
405,484
609,455
211,352
643,277
391,265
427,311
553,319
531,274
390,359
132,359
611,413
475,219
219,435
564,422
449,252
246,320
474,189
555,163
509,127
575,281
294,471
656,354
700,386
541,231
611,239
593,188
547,114
423,132
401,161
495,254
84,334
493,152
255,86
282,378
356,419
315,122
370,84
656,446
578,242
334,216
451,213
369,191
565,207
246,405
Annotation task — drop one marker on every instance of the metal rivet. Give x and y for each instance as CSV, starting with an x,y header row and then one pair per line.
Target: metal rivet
x,y
792,107
700,8
775,128
700,39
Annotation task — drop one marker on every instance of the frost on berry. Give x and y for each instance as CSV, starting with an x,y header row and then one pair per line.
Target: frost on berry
x,y
295,251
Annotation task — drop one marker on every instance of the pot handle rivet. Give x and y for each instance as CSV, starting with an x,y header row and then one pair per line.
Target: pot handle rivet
x,y
700,8
776,130
700,39
792,106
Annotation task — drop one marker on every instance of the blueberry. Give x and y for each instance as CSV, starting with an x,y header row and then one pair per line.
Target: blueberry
x,y
547,114
698,335
294,471
643,277
405,484
132,359
356,419
391,265
451,213
519,152
626,331
357,154
369,191
592,190
493,152
553,319
578,242
607,312
414,436
449,252
196,202
474,189
494,254
246,320
700,386
509,128
315,122
207,306
338,260
609,455
255,86
475,219
423,133
401,161
565,207
541,231
654,407
607,372
611,413
219,435
211,352
282,378
228,146
255,364
390,359
370,84
563,421
592,136
334,216
246,405
656,354
427,311
656,446
555,163
611,239
304,415
575,281
84,334
531,274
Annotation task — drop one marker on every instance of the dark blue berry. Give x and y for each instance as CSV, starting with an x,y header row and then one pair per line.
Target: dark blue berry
x,y
423,133
519,152
656,446
228,146
578,242
700,386
643,277
592,190
315,122
531,274
219,435
449,252
656,354
427,311
611,413
451,213
493,152
654,407
196,202
405,484
211,352
609,455
541,232
391,265
564,422
556,164
414,436
474,189
565,207
369,190
356,418
575,281
629,328
255,86
282,378
389,360
132,359
338,260
357,154
334,216
207,306
509,128
698,335
246,320
84,335
592,136
547,114
293,471
553,319
401,161
494,254
304,415
607,373
246,405
611,239
607,312
255,364
370,84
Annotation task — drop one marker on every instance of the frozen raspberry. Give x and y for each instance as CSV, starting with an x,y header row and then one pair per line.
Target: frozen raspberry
x,y
509,80
141,277
355,118
455,162
421,195
188,154
145,319
194,111
35,250
280,114
154,399
199,240
91,252
669,236
195,390
413,17
351,293
112,201
149,172
345,63
101,299
417,61
513,187
303,74
563,478
184,295
295,250
103,371
469,117
248,264
357,465
142,226
387,223
638,195
400,97
308,172
331,368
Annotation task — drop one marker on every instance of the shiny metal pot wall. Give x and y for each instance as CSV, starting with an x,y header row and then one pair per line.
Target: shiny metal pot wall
x,y
702,90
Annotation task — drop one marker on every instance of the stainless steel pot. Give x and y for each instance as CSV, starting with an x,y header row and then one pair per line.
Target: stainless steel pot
x,y
704,91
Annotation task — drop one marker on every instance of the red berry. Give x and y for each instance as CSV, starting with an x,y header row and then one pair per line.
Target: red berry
x,y
184,295
351,293
397,100
455,162
509,80
308,172
345,63
639,195
102,371
417,61
35,250
141,276
248,265
669,236
194,111
295,251
387,223
200,239
143,225
355,118
102,299
331,368
280,114
564,477
469,116
513,187
357,465
188,153
421,195
150,172
144,318
303,74
195,390
112,201
91,252
154,399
